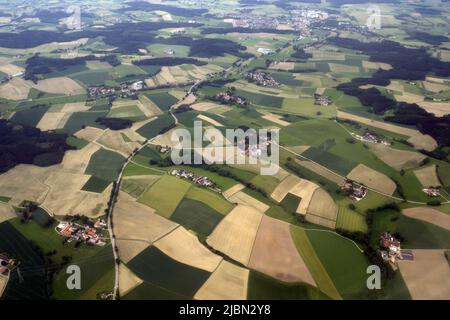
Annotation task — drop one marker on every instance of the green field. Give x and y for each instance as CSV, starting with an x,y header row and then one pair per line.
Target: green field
x,y
290,203
260,99
95,184
313,263
105,164
131,112
79,120
133,169
29,117
196,216
210,198
162,99
136,187
262,287
153,128
345,264
165,195
158,269
16,245
350,220
76,142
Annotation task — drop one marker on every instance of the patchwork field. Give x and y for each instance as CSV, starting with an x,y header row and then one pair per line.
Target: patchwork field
x,y
430,215
236,233
274,253
428,176
372,179
397,159
228,282
322,209
137,226
162,201
241,198
184,247
426,276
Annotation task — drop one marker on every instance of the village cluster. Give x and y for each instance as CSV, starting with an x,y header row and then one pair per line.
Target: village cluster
x,y
228,97
370,137
200,180
262,78
125,90
322,100
89,234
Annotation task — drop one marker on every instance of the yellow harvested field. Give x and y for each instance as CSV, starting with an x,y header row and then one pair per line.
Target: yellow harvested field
x,y
166,140
320,170
211,121
320,221
62,85
25,182
183,246
236,233
440,109
234,189
228,282
283,66
242,198
128,249
409,97
427,275
136,221
3,283
434,87
276,119
419,140
16,89
396,86
428,176
376,65
6,212
127,280
77,160
304,190
322,205
275,254
343,68
434,79
65,197
372,179
75,107
165,77
11,69
149,82
90,134
397,159
284,187
52,121
114,140
430,215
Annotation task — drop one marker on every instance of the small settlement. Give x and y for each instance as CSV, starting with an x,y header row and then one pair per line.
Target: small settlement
x,y
353,190
432,191
88,233
391,250
200,180
322,100
262,78
7,264
229,98
370,138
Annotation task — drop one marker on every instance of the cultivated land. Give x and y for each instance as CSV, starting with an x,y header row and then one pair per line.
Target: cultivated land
x,y
228,282
274,253
419,140
236,233
428,176
426,276
429,215
264,236
372,179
